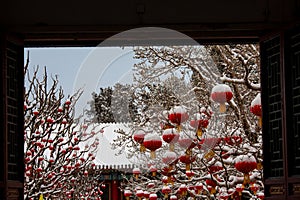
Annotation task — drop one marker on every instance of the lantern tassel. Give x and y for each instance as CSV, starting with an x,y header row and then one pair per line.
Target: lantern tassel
x,y
188,167
213,190
188,152
259,121
142,148
136,176
178,127
259,166
246,179
222,108
152,155
170,180
172,147
254,191
170,168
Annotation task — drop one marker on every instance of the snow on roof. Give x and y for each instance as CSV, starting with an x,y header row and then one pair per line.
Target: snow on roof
x,y
105,154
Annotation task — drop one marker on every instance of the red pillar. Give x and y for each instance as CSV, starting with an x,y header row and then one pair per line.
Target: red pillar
x,y
114,191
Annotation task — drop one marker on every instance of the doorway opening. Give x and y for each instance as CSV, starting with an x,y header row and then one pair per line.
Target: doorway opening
x,y
143,87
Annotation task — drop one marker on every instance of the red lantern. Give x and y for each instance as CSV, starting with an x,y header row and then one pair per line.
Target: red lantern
x,y
199,123
239,188
199,188
254,188
49,120
245,164
35,112
183,189
211,182
169,157
233,140
165,180
64,121
170,136
146,194
153,170
153,197
68,102
187,140
221,94
136,172
151,185
139,136
215,167
127,194
260,195
256,109
139,194
211,185
173,197
167,170
166,190
152,142
177,115
189,174
187,160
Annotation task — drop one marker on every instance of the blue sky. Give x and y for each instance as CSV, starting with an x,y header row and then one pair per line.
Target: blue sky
x,y
78,66
63,62
88,68
92,68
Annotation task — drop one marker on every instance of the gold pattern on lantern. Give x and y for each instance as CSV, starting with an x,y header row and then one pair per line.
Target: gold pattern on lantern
x,y
152,155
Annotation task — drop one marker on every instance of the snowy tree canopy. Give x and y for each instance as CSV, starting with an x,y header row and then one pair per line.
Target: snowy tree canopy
x,y
167,78
59,150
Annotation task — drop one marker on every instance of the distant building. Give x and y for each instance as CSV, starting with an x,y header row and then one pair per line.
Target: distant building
x,y
112,176
113,167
